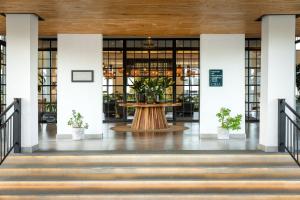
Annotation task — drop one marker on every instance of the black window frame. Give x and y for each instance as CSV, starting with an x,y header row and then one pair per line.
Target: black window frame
x,y
2,75
163,44
52,50
249,110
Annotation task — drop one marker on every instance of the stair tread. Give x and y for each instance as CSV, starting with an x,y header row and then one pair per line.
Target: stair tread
x,y
162,170
158,196
140,176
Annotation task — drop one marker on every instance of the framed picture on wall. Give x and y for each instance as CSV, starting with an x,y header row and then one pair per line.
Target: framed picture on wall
x,y
82,75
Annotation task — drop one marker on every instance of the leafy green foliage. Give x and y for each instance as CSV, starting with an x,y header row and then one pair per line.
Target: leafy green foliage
x,y
228,122
152,87
49,107
40,82
156,87
76,121
138,85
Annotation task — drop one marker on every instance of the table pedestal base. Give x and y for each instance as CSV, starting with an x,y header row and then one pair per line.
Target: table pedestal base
x,y
170,129
149,118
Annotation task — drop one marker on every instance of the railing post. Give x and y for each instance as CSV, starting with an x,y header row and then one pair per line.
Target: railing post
x,y
17,125
281,125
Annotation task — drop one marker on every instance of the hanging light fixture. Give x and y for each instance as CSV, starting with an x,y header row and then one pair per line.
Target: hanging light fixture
x,y
148,44
169,73
109,73
179,71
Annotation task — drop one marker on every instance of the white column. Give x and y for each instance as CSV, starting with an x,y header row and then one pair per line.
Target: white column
x,y
79,52
277,74
225,52
22,70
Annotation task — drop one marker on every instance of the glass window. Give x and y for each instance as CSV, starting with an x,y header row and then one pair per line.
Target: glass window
x,y
47,78
252,79
113,71
187,79
2,73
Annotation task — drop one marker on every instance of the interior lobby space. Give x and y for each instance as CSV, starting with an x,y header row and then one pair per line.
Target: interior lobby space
x,y
126,60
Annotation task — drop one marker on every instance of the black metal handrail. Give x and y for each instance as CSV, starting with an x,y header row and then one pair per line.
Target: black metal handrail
x,y
288,130
10,130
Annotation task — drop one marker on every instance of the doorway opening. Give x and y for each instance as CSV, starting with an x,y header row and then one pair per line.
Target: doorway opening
x,y
126,60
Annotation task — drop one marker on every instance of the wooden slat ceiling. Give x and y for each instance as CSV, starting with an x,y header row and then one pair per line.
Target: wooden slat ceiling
x,y
167,18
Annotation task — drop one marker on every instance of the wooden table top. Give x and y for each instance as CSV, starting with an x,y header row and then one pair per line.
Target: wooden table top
x,y
146,105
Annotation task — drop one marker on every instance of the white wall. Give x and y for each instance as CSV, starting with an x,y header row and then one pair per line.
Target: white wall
x,y
278,74
79,52
227,52
22,70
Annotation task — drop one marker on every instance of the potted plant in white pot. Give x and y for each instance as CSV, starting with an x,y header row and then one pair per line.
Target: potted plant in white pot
x,y
77,124
227,123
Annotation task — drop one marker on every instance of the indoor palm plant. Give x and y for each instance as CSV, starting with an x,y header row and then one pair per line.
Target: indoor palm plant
x,y
227,123
77,124
138,85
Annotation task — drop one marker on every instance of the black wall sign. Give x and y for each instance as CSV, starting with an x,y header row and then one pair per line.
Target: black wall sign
x,y
215,77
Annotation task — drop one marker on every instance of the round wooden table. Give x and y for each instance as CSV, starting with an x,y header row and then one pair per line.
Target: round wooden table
x,y
149,116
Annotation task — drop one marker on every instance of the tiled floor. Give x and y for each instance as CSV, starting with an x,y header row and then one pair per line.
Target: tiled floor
x,y
112,141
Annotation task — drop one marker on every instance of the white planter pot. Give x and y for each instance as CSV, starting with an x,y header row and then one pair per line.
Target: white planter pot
x,y
223,134
77,133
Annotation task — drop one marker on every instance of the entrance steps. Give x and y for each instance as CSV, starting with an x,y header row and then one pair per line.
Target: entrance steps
x,y
150,176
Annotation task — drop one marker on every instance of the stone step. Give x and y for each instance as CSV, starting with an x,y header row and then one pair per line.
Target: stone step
x,y
149,187
150,176
125,173
142,187
216,160
170,196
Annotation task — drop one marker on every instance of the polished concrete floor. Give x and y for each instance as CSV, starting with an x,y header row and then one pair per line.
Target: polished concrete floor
x,y
112,141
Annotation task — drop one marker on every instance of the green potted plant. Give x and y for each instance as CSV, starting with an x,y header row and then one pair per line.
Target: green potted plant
x,y
155,88
41,80
150,90
49,113
227,123
77,125
138,85
51,108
